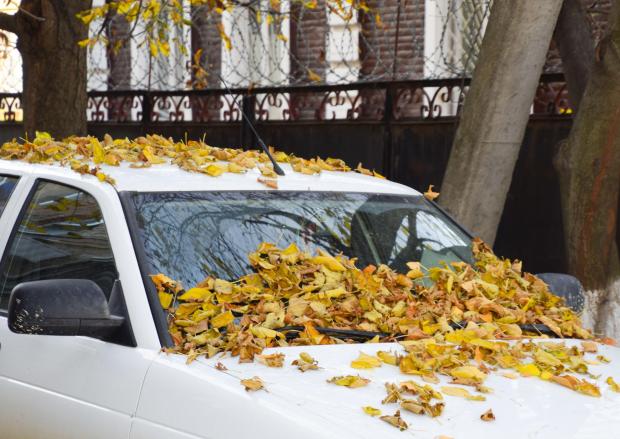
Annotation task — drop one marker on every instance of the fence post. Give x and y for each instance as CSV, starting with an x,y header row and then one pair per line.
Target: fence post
x,y
388,147
248,117
147,108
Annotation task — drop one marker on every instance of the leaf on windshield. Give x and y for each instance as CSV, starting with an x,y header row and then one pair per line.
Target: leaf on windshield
x,y
365,361
396,421
222,319
305,362
352,381
252,384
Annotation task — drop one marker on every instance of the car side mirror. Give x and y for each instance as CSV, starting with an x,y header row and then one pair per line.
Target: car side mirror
x,y
61,307
567,287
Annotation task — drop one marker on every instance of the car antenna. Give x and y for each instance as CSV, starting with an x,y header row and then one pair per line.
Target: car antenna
x,y
276,167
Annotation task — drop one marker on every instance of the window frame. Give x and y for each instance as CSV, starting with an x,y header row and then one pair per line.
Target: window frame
x,y
18,179
35,184
157,312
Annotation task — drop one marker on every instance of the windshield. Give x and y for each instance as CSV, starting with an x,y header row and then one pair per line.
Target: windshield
x,y
190,235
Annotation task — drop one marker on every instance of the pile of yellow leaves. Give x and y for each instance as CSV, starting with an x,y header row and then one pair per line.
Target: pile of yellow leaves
x,y
292,295
86,155
465,323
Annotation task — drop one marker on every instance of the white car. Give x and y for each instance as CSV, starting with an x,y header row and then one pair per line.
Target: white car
x,y
107,377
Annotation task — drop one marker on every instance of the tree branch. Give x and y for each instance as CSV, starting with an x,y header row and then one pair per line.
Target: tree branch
x,y
9,23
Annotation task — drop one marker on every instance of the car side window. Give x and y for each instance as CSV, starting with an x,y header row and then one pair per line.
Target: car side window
x,y
7,184
61,236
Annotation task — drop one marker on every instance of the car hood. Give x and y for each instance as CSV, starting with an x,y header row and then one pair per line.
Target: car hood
x,y
300,405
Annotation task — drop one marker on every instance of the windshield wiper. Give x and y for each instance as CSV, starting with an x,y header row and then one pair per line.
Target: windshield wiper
x,y
292,332
353,334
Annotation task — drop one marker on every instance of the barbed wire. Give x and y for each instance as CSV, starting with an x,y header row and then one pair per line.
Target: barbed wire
x,y
384,40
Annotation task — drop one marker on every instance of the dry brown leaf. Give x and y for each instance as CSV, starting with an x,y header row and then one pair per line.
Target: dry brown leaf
x,y
252,384
396,421
488,416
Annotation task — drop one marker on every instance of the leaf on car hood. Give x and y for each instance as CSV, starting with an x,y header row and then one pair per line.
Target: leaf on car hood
x,y
395,420
252,384
352,381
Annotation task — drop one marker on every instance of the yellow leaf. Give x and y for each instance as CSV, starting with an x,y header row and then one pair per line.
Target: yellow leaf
x,y
214,170
462,393
371,411
224,37
528,370
222,319
329,262
306,362
415,270
153,48
365,361
196,294
165,299
429,194
468,372
352,381
313,76
612,384
266,333
388,358
252,384
272,360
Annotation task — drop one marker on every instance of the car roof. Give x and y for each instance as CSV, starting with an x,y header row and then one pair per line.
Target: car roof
x,y
171,178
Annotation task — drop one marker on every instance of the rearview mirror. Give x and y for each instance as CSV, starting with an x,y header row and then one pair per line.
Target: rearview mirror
x,y
566,286
61,307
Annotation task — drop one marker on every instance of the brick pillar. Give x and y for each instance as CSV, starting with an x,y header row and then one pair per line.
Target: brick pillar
x,y
205,35
308,42
379,50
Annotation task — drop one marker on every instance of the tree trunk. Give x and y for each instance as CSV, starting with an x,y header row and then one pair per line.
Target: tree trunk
x,y
589,167
54,66
496,112
573,36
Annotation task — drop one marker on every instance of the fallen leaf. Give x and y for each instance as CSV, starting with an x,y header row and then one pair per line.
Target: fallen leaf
x,y
252,384
306,362
488,416
395,420
612,384
352,381
365,361
270,183
430,194
589,346
219,366
371,411
462,393
272,360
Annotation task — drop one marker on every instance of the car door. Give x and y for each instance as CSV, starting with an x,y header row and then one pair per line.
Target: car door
x,y
65,387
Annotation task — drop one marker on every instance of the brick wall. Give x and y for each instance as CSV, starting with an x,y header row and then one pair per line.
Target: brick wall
x,y
377,41
205,36
307,50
